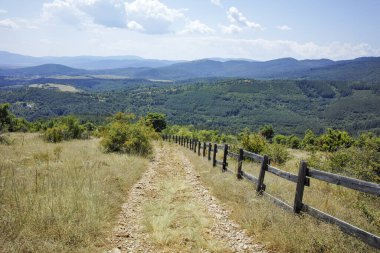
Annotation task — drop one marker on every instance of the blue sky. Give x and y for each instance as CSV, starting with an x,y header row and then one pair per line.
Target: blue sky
x,y
192,29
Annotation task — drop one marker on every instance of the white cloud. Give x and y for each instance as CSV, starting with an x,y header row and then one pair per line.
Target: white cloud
x,y
107,13
236,17
154,16
216,2
230,29
284,28
196,26
134,26
8,23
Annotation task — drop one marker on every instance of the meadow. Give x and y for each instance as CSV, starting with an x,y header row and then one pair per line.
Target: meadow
x,y
61,197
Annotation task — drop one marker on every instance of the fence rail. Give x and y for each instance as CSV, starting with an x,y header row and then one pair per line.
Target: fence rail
x,y
305,174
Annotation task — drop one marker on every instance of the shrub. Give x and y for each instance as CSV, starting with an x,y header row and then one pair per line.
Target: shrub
x,y
280,139
277,153
334,139
65,128
157,121
294,142
309,140
253,142
132,138
267,132
54,134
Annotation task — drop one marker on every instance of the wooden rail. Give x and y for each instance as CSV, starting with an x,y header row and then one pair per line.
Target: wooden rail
x,y
305,174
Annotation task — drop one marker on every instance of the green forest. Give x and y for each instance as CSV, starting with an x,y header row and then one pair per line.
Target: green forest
x,y
227,105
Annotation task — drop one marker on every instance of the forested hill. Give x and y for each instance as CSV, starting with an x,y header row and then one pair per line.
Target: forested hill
x,y
229,105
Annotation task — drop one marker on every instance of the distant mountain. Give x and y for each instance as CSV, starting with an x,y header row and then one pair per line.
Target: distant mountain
x,y
280,68
43,70
11,60
360,69
365,69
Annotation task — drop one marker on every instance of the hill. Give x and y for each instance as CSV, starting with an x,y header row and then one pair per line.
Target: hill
x,y
291,106
43,70
360,69
11,60
287,68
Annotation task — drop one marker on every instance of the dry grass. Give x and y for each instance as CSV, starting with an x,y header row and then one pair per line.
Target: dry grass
x,y
176,224
61,197
283,231
175,219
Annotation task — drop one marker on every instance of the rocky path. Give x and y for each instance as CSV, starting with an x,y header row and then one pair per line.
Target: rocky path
x,y
168,210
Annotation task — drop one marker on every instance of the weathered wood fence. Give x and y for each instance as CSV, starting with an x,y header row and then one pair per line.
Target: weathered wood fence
x,y
301,180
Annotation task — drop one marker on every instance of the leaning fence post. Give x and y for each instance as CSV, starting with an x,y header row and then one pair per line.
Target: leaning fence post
x,y
264,167
204,149
240,164
225,153
199,148
209,151
300,187
214,155
195,146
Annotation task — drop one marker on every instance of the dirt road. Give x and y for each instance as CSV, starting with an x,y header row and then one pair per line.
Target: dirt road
x,y
169,210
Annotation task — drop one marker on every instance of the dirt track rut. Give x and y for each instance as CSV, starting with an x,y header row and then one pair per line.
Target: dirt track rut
x,y
169,183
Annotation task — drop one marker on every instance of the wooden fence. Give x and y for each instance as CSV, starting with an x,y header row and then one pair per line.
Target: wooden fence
x,y
305,174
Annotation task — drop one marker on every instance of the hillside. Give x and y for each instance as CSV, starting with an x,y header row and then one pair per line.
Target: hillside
x,y
227,104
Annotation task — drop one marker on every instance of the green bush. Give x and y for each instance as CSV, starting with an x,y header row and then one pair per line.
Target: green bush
x,y
253,142
294,142
125,137
156,120
278,153
280,139
309,141
65,128
334,140
267,132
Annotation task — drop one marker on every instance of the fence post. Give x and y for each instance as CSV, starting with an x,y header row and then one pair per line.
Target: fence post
x,y
225,153
204,149
195,146
214,155
199,148
191,144
300,187
240,164
264,167
209,151
187,142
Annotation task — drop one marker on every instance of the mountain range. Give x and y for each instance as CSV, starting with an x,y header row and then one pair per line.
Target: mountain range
x,y
360,69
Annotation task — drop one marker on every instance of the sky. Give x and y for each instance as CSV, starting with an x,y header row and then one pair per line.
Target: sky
x,y
192,29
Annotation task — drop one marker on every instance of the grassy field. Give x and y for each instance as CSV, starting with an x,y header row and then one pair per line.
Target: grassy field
x,y
61,197
281,230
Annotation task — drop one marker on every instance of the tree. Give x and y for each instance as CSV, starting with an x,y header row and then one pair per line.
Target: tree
x,y
252,142
267,132
156,120
334,139
309,140
5,117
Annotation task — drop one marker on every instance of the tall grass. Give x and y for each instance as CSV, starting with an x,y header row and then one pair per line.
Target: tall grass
x,y
281,230
61,197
